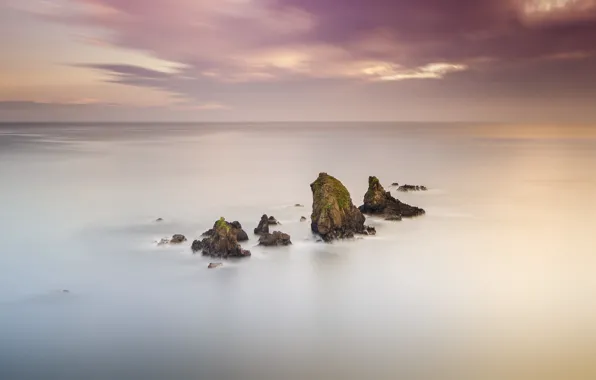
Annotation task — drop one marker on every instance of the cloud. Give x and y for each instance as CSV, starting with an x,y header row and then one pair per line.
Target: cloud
x,y
232,50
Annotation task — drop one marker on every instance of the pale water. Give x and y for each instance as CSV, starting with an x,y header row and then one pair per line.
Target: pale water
x,y
497,280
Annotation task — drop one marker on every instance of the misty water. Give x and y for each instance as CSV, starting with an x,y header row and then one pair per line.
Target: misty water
x,y
497,280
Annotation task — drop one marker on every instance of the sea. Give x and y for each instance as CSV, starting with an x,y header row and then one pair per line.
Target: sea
x,y
496,281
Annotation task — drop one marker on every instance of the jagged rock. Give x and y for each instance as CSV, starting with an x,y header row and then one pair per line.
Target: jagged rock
x,y
241,235
272,221
177,239
275,239
263,227
405,188
303,219
214,265
377,201
334,216
221,241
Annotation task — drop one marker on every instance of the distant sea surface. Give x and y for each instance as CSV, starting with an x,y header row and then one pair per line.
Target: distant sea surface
x,y
496,281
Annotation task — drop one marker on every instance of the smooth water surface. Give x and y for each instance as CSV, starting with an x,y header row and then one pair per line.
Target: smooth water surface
x,y
497,280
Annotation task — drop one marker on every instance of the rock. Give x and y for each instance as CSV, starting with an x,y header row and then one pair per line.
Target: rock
x,y
214,265
163,241
377,201
65,291
393,218
334,216
303,218
221,241
159,220
298,205
241,235
277,238
395,184
177,239
370,230
406,188
263,227
272,221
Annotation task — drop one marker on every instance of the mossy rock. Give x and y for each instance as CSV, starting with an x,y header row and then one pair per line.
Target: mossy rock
x,y
334,215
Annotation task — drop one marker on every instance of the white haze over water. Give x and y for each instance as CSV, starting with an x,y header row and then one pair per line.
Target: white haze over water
x,y
497,280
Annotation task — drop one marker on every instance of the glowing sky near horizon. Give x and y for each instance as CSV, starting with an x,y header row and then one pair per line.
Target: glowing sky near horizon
x,y
298,60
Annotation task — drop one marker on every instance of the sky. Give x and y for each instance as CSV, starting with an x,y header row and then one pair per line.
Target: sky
x,y
298,60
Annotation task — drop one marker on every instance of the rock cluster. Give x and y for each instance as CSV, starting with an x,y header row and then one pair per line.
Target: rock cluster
x,y
377,201
241,235
334,216
221,241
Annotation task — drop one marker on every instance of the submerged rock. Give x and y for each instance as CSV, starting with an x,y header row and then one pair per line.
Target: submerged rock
x,y
334,216
303,218
214,265
159,220
277,238
377,201
263,227
406,188
221,241
176,239
298,205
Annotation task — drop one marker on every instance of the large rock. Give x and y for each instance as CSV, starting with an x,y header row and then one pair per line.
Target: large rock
x,y
275,239
377,201
263,227
334,216
221,241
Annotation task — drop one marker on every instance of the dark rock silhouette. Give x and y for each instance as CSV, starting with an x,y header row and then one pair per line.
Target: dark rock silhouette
x,y
214,265
220,241
406,188
298,205
159,220
377,201
263,227
334,216
277,238
272,221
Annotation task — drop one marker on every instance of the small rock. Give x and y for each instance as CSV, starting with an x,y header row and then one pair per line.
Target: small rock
x,y
65,291
272,221
395,184
277,238
177,239
405,188
298,205
214,265
163,241
303,219
159,220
